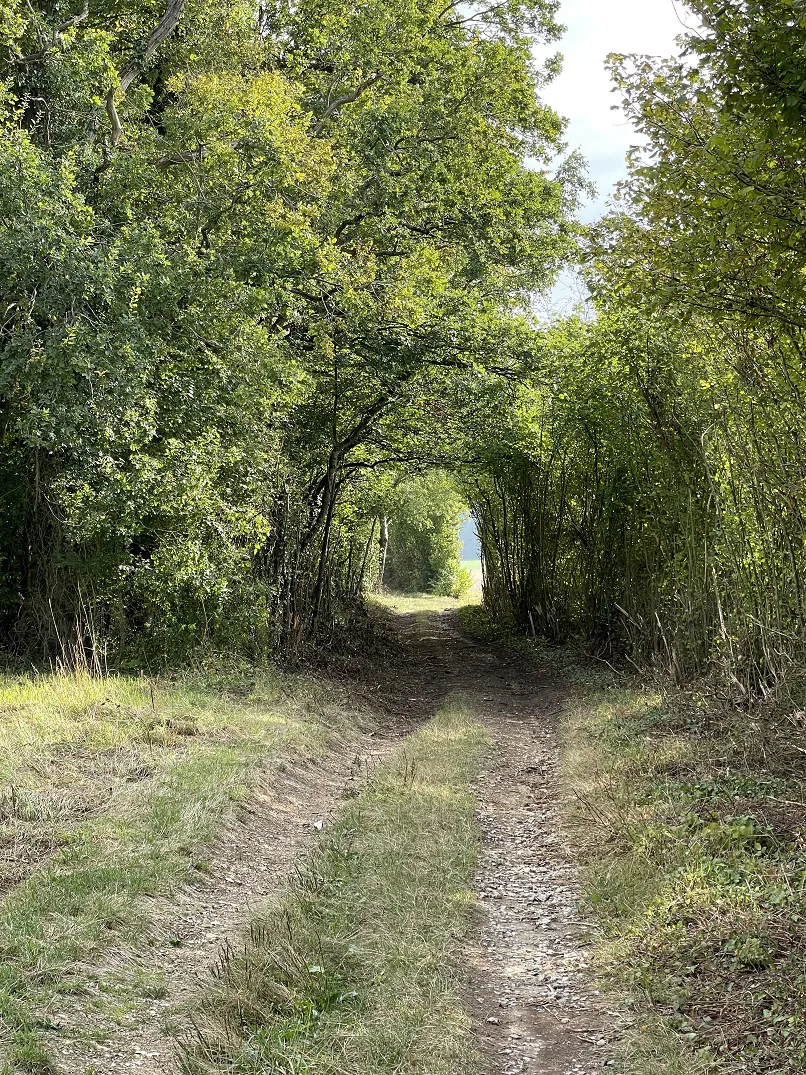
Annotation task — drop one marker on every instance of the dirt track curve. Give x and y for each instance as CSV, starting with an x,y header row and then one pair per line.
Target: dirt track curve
x,y
529,992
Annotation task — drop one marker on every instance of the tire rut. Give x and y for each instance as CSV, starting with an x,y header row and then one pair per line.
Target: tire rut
x,y
538,1011
249,867
535,1006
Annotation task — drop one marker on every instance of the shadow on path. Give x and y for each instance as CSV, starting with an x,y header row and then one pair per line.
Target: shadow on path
x,y
535,1008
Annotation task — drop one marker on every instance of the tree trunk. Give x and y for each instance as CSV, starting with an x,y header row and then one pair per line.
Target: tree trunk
x,y
383,541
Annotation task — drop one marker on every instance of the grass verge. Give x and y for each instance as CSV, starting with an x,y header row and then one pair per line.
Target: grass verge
x,y
355,972
111,789
696,866
691,830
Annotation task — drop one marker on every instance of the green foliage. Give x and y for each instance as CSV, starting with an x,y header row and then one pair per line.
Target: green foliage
x,y
238,268
462,582
691,825
717,201
646,489
424,548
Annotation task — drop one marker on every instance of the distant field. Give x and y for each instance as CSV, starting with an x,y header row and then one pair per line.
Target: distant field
x,y
474,567
416,602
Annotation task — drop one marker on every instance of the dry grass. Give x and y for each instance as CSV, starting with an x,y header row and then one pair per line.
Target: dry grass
x,y
693,834
111,788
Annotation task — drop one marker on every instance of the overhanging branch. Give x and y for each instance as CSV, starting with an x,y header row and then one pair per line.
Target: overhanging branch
x,y
347,99
56,36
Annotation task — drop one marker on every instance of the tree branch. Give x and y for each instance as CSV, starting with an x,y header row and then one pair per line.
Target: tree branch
x,y
134,65
347,99
55,38
187,156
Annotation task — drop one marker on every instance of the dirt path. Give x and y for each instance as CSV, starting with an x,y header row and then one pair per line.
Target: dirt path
x,y
535,1011
538,1012
249,866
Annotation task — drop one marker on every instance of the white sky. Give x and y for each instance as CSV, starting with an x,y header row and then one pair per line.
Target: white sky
x,y
583,92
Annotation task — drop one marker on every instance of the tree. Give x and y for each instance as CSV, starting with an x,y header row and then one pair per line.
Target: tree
x,y
241,256
647,489
424,548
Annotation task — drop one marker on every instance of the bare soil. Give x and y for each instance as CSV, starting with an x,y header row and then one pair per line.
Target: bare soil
x,y
529,990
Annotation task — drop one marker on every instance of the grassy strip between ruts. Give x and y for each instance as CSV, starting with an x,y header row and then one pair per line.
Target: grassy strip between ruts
x,y
111,789
356,971
692,837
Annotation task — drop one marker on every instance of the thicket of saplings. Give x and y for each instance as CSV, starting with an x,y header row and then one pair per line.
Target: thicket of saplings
x,y
648,491
254,263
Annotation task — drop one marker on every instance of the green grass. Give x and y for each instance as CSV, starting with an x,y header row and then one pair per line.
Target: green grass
x,y
110,791
415,602
355,973
693,821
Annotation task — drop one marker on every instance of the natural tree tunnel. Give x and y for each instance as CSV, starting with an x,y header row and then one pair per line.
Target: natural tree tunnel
x,y
281,350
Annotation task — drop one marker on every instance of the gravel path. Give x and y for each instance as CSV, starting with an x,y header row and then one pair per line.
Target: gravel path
x,y
538,1011
535,1007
